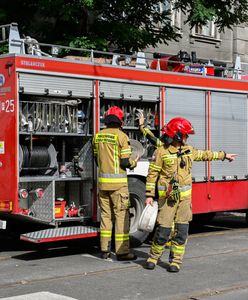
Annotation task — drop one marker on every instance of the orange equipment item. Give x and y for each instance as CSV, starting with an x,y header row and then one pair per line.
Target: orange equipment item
x,y
170,63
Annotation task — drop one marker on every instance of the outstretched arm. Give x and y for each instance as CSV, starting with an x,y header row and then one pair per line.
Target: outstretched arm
x,y
230,156
204,155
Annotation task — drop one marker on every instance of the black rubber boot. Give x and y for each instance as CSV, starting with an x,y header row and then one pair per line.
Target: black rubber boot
x,y
105,255
150,265
173,269
125,257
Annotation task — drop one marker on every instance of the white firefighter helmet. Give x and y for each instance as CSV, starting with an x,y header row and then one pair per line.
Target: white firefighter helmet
x,y
148,217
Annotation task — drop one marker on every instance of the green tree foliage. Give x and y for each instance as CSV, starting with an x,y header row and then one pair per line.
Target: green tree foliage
x,y
133,24
124,24
225,13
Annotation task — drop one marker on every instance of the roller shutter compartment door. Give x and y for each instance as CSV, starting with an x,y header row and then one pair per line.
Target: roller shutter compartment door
x,y
55,85
189,104
229,133
128,91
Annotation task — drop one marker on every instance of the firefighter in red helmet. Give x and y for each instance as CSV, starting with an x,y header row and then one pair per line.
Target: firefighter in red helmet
x,y
112,153
172,166
156,142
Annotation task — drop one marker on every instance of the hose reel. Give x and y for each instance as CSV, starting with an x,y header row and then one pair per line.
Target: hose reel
x,y
40,160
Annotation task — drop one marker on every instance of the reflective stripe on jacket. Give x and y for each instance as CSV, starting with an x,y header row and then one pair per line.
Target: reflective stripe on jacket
x,y
150,136
166,166
111,145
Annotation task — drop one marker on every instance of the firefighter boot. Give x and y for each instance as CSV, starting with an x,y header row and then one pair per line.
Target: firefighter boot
x,y
125,257
150,263
173,268
158,245
105,255
178,247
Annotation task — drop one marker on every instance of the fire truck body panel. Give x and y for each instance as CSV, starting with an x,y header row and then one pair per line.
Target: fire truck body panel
x,y
219,196
8,137
115,73
217,107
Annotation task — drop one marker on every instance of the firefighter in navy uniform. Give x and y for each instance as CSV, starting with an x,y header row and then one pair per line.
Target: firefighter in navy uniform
x,y
112,153
172,166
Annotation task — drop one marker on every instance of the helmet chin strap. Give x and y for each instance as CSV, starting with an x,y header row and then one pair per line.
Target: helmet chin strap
x,y
180,138
184,140
177,144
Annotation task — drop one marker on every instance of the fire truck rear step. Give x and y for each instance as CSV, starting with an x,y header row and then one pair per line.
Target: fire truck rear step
x,y
58,234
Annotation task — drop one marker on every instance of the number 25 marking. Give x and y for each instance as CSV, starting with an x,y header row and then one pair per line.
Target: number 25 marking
x,y
10,107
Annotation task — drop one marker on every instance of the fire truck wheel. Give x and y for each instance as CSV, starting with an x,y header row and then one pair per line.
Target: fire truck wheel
x,y
137,200
204,218
246,216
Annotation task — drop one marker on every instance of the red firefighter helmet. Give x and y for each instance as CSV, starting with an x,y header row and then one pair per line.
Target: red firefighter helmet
x,y
114,115
177,128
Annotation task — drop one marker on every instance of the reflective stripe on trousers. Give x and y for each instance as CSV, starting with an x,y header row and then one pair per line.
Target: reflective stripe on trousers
x,y
176,252
114,209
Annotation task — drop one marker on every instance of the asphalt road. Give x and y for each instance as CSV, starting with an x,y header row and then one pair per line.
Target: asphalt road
x,y
215,268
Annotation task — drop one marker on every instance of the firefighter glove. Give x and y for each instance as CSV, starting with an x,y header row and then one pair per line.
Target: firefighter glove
x,y
175,192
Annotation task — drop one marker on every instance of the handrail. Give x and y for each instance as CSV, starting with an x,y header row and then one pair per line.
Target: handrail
x,y
3,32
142,60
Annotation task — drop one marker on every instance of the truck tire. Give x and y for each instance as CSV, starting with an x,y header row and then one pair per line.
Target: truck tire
x,y
137,199
246,217
204,218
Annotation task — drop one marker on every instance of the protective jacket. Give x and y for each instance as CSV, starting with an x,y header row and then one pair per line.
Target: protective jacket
x,y
150,136
112,153
175,164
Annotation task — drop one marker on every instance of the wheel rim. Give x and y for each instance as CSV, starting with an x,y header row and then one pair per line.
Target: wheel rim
x,y
135,212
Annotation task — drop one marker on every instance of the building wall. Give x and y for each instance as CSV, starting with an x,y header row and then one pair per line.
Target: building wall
x,y
240,45
224,47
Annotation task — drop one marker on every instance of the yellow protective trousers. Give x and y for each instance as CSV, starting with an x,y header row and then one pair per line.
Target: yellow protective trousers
x,y
170,211
114,207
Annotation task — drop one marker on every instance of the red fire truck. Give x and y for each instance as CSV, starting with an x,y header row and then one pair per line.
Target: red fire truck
x,y
51,106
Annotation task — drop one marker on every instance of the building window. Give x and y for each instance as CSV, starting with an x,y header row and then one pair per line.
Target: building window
x,y
176,18
208,33
208,30
175,14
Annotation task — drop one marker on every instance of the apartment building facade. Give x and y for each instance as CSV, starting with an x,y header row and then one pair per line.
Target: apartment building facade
x,y
209,44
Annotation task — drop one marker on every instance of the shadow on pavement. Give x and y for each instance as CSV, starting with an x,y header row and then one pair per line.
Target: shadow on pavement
x,y
10,242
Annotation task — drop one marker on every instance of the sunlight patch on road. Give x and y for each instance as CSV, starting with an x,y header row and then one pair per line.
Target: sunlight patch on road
x,y
39,296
